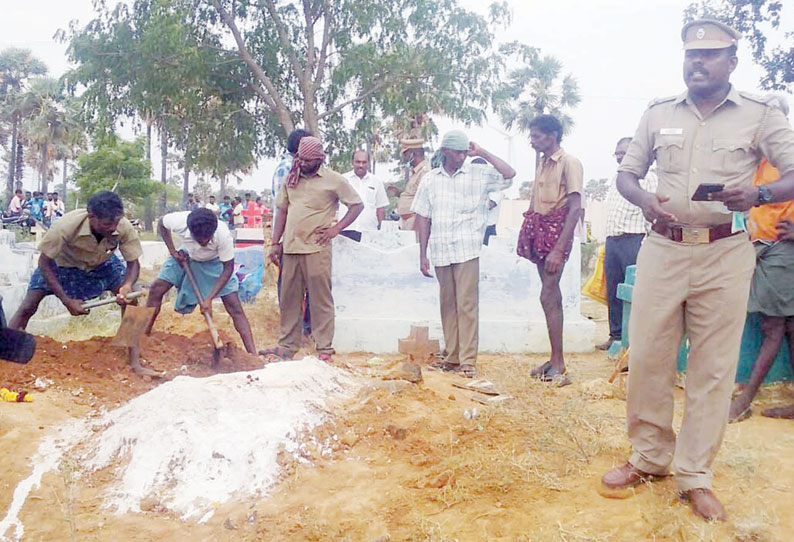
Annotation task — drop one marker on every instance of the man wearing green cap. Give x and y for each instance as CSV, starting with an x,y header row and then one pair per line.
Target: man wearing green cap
x,y
694,269
451,209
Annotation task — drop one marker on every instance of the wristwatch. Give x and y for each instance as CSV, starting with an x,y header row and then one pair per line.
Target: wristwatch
x,y
764,195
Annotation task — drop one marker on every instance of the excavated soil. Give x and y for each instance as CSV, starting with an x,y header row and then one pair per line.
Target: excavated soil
x,y
413,462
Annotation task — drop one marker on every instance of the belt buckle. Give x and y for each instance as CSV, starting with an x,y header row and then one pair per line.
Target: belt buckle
x,y
695,236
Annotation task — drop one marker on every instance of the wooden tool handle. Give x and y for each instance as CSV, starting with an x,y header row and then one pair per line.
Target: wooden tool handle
x,y
109,300
216,339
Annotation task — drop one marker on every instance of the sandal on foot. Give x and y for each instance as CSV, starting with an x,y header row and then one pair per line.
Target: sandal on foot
x,y
326,357
743,415
540,370
560,378
443,366
281,354
466,370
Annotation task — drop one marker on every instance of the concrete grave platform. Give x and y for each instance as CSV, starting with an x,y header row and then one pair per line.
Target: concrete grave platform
x,y
379,294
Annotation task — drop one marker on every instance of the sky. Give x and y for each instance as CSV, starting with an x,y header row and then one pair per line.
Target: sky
x,y
623,53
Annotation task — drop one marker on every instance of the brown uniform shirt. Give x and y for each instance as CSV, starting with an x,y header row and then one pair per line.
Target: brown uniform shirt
x,y
407,197
70,243
725,148
557,176
311,205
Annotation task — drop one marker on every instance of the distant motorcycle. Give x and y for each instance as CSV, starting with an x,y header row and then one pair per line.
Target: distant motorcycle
x,y
21,221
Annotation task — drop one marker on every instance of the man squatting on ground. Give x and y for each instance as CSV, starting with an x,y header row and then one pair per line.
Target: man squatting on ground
x,y
546,236
77,260
694,270
771,228
307,204
451,207
208,248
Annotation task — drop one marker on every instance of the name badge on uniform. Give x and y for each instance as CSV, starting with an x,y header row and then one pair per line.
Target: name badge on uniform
x,y
671,131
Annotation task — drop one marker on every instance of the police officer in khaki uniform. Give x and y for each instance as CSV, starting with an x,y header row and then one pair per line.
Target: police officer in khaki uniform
x,y
694,270
413,152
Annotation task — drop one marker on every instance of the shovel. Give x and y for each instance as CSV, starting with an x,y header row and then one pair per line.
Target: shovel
x,y
16,346
99,302
216,339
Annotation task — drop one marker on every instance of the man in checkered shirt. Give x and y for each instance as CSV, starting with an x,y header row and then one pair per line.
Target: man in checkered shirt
x,y
626,228
451,209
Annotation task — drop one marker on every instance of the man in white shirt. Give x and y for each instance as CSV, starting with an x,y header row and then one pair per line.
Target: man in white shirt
x,y
212,206
208,247
371,191
15,205
451,207
54,209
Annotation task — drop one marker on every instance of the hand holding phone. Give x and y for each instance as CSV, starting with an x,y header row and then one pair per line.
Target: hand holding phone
x,y
703,191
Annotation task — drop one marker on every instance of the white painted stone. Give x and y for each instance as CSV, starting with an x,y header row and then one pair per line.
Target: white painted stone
x,y
379,293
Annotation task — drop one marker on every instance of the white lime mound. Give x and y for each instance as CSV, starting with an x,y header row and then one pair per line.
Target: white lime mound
x,y
194,443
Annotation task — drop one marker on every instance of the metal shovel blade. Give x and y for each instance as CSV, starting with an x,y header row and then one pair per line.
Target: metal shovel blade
x,y
135,321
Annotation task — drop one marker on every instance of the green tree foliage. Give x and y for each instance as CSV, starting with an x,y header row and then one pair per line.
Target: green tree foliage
x,y
596,189
156,60
117,165
757,20
534,85
17,68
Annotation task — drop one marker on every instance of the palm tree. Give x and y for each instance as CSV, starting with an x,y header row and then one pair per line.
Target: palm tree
x,y
535,87
45,129
17,66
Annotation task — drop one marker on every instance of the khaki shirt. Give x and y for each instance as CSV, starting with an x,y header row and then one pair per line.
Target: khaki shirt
x,y
724,148
407,197
312,205
70,243
557,176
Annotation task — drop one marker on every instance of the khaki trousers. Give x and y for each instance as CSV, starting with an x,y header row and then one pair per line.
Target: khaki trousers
x,y
301,273
703,290
460,302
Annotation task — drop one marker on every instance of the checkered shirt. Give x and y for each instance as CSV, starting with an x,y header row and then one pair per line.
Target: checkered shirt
x,y
457,206
623,216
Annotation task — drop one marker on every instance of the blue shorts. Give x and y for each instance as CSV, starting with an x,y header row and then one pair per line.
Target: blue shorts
x,y
80,284
206,273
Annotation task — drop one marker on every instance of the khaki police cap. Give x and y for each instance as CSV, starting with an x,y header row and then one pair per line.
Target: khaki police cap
x,y
409,144
708,34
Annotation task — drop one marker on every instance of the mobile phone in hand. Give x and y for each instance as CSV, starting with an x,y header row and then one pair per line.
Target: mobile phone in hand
x,y
703,190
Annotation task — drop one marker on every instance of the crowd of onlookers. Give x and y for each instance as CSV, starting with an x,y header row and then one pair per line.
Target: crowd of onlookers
x,y
237,212
35,206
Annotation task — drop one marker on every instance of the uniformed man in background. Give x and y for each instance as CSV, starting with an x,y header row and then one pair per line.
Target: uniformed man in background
x,y
695,268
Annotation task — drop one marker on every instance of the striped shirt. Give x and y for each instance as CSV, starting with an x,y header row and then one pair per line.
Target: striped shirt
x,y
623,216
457,206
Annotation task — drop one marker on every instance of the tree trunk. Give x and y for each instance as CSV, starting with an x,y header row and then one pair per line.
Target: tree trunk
x,y
223,187
149,140
19,167
163,174
370,158
12,160
65,188
185,186
148,214
44,180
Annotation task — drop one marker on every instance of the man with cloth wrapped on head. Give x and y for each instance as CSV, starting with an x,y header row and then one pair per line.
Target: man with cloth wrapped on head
x,y
694,269
307,204
451,209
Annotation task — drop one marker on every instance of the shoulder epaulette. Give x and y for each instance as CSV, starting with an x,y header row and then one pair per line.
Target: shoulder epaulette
x,y
765,100
658,101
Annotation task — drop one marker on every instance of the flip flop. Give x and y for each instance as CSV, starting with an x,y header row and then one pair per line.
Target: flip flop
x,y
486,387
466,370
560,378
743,415
277,352
540,370
326,357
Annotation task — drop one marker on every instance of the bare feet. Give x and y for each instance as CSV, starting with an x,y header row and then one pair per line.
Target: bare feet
x,y
705,504
135,364
740,410
786,412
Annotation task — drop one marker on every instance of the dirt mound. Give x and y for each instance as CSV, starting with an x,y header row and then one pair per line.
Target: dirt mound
x,y
96,368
